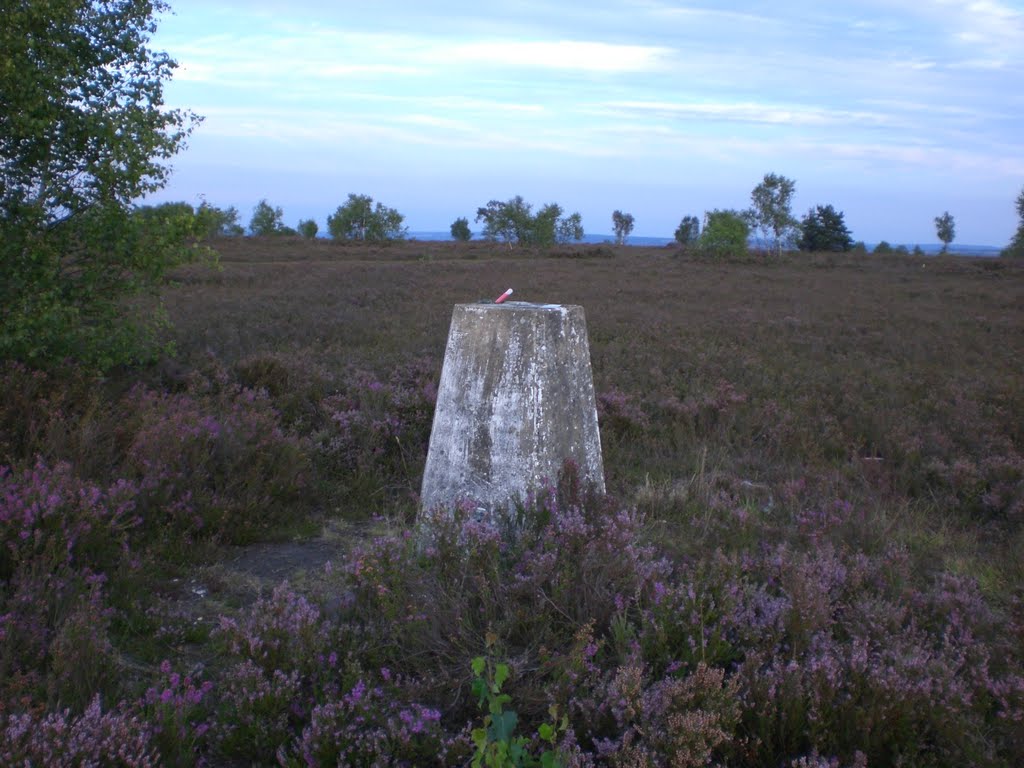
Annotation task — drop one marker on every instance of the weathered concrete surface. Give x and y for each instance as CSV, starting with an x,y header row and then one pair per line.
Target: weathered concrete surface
x,y
516,400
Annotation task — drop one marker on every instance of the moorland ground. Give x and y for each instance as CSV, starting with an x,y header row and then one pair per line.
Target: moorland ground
x,y
809,554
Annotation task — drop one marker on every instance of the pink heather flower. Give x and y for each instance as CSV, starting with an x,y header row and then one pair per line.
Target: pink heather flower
x,y
354,696
659,592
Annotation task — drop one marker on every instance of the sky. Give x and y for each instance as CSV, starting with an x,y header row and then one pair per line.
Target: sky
x,y
892,112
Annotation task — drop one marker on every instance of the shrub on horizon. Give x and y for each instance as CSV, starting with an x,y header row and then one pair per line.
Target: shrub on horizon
x,y
725,234
308,229
1015,250
460,230
823,230
359,219
688,231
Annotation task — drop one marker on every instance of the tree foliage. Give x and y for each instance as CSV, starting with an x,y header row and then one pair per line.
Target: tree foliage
x,y
266,219
622,224
823,229
192,224
83,133
359,219
725,233
461,231
308,228
212,221
509,222
1016,247
945,229
688,231
514,222
569,228
771,210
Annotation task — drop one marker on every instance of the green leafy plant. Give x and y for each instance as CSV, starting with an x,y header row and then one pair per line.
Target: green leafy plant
x,y
83,133
725,233
495,742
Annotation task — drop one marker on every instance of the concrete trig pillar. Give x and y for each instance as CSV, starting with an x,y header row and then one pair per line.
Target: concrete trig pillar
x,y
516,400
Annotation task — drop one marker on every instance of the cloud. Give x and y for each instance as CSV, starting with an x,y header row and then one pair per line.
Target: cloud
x,y
896,156
561,54
996,26
329,133
717,15
750,112
325,54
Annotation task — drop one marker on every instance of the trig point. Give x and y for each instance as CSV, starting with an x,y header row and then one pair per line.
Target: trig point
x,y
516,400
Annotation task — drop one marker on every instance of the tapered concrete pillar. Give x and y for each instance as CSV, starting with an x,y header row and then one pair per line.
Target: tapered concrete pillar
x,y
516,400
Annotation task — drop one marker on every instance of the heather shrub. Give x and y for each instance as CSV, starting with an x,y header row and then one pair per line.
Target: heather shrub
x,y
50,520
682,722
55,642
296,386
682,624
367,725
590,564
60,739
282,631
47,414
59,535
823,572
530,581
293,689
257,712
847,664
27,625
178,710
83,662
619,415
375,443
212,464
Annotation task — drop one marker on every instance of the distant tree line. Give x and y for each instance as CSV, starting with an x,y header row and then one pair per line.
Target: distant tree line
x,y
514,222
722,232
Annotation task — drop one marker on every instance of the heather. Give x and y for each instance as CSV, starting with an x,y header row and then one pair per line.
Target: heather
x,y
808,555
